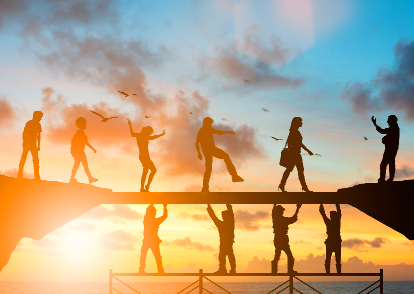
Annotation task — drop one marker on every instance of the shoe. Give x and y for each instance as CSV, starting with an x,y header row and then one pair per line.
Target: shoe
x,y
161,271
292,272
282,188
205,190
237,178
37,178
147,188
20,176
232,271
73,181
307,190
92,180
141,272
143,190
390,180
381,180
221,271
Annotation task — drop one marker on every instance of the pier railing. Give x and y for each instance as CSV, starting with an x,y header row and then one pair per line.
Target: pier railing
x,y
375,287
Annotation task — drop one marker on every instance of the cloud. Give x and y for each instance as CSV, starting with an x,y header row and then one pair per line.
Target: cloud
x,y
356,243
189,244
84,227
404,172
118,240
247,221
117,211
45,242
7,112
252,58
193,216
258,266
392,87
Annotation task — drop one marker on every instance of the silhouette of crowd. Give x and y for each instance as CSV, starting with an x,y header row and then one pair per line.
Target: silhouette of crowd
x,y
290,158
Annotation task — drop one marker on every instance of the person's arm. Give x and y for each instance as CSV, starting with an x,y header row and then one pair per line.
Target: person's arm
x,y
213,215
294,218
156,136
220,132
338,209
322,211
307,150
200,156
230,209
38,141
130,128
90,146
164,215
379,129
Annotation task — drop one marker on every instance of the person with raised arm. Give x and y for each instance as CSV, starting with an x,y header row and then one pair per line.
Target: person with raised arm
x,y
206,140
226,233
295,145
147,164
151,239
333,242
281,240
31,143
77,149
391,140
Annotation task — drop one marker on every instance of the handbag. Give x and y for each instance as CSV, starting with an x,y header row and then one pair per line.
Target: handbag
x,y
286,157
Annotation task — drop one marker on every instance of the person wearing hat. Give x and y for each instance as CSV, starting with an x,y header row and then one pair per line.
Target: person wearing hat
x,y
147,164
333,242
226,233
391,140
151,239
206,140
31,142
281,240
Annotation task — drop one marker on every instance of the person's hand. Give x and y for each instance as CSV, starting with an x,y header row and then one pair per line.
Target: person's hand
x,y
94,150
200,156
165,205
321,207
208,205
129,121
38,148
163,133
232,133
310,152
374,120
298,205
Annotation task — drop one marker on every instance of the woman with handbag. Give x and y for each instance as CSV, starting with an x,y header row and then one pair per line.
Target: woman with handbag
x,y
291,156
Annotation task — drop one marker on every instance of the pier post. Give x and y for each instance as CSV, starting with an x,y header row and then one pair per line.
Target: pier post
x,y
291,284
381,281
110,281
201,282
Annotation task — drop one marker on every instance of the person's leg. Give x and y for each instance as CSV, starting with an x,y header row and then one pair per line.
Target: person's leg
x,y
232,259
222,259
290,259
157,254
22,162
338,258
391,165
152,174
143,257
143,178
328,256
275,261
36,167
383,166
301,173
75,167
285,177
221,154
84,162
207,174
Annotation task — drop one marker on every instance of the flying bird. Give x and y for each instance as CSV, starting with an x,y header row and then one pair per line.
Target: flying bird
x,y
319,155
275,138
224,119
125,94
181,92
246,81
134,94
104,119
191,112
147,116
265,110
314,154
366,139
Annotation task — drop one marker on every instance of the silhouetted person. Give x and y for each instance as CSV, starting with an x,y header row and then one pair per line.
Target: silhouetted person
x,y
206,140
31,142
147,164
281,241
151,239
294,142
226,232
391,142
333,242
77,149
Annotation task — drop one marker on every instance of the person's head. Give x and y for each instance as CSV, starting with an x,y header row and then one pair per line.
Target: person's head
x,y
226,215
278,210
148,130
208,121
334,215
81,123
296,123
151,211
392,120
37,115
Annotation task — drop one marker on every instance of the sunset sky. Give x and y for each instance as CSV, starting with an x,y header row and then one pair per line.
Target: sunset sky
x,y
333,63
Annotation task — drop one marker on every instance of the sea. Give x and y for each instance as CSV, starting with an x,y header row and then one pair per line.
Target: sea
x,y
405,287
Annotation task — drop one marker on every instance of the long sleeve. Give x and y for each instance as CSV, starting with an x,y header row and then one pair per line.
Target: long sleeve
x,y
213,216
164,216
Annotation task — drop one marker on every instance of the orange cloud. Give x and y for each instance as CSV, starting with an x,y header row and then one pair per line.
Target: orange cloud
x,y
189,244
7,112
117,211
118,240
